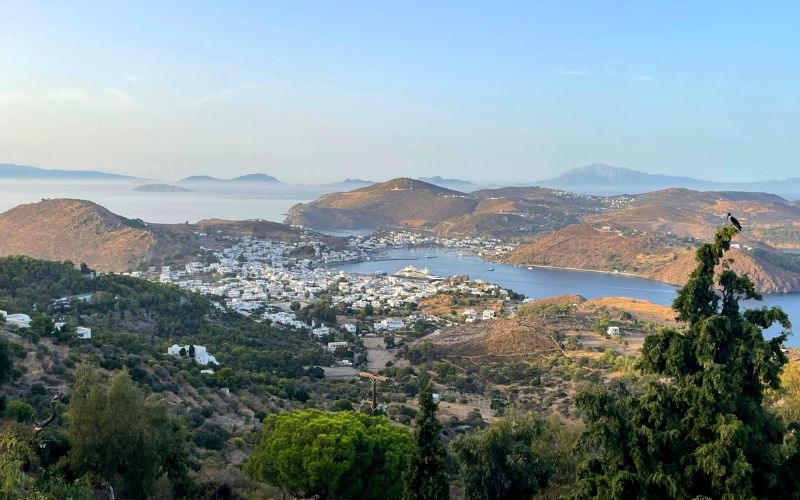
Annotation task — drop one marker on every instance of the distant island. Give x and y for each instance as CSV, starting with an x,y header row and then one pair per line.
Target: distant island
x,y
161,188
260,178
13,171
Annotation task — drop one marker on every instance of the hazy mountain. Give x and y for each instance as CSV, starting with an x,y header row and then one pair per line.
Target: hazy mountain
x,y
250,178
200,178
12,171
605,179
454,184
255,178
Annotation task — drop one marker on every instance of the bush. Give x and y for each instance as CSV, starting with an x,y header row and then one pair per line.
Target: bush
x,y
19,411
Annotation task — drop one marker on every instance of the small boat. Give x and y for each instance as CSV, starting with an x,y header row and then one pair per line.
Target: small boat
x,y
431,256
490,269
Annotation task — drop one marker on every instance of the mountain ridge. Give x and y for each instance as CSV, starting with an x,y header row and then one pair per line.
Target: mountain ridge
x,y
14,171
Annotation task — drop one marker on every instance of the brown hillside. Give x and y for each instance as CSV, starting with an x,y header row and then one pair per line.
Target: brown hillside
x,y
588,246
696,214
76,230
508,212
652,255
536,328
399,202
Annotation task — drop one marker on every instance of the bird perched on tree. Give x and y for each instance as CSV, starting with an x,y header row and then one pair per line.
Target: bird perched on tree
x,y
735,222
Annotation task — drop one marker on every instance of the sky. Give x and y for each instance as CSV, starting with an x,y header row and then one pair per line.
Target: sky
x,y
493,92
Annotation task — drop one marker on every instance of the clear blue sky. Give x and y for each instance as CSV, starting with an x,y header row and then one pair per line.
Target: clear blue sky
x,y
490,91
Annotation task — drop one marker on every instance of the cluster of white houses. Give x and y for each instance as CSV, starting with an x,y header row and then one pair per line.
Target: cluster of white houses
x,y
254,273
24,321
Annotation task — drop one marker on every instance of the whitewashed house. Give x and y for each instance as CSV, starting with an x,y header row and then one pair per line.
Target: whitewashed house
x,y
321,331
83,333
613,331
19,320
350,328
201,355
488,314
389,324
332,346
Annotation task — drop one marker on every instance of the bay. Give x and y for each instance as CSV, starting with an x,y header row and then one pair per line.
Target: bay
x,y
539,282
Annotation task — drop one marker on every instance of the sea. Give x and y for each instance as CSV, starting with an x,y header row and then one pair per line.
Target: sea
x,y
232,201
271,202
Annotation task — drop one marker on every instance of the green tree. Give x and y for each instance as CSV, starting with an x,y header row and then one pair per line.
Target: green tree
x,y
426,476
19,411
500,462
6,362
118,436
331,455
700,429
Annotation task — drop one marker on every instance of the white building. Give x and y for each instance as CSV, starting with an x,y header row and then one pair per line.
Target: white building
x,y
19,320
488,314
83,333
613,331
321,331
471,315
389,324
350,328
201,355
332,346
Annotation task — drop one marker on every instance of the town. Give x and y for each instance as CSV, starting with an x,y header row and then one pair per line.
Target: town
x,y
270,280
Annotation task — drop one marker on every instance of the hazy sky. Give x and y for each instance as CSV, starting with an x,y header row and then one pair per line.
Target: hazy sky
x,y
489,91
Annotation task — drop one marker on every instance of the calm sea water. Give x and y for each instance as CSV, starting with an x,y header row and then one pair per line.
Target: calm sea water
x,y
204,202
542,282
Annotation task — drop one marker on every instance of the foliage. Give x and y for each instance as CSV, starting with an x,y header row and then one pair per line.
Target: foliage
x,y
426,476
700,428
6,362
19,411
332,455
789,407
112,426
15,483
17,480
500,462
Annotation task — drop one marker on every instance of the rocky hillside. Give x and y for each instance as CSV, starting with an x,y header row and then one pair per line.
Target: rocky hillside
x,y
695,214
408,203
85,232
396,203
659,256
77,230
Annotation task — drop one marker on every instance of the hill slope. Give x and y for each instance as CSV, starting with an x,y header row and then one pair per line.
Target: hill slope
x,y
77,230
398,202
653,255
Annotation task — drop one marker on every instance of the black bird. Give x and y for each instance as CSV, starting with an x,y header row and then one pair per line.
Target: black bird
x,y
735,222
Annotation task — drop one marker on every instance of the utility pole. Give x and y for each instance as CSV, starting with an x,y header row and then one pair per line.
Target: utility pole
x,y
374,379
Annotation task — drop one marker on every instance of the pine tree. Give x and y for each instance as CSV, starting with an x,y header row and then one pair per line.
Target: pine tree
x,y
701,429
426,476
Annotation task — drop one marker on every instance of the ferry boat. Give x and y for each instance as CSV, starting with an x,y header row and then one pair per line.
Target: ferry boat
x,y
413,273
